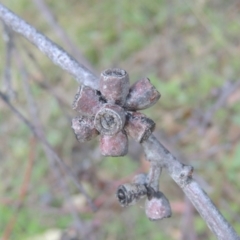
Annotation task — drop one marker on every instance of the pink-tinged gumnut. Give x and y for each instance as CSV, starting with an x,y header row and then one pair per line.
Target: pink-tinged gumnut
x,y
110,119
142,94
138,126
114,85
116,145
87,101
158,207
83,128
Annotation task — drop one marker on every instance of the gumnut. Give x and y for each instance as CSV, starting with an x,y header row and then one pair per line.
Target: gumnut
x,y
130,193
111,112
87,101
142,95
84,128
157,207
138,126
114,85
115,145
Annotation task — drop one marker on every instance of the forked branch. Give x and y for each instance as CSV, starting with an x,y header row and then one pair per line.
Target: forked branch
x,y
155,152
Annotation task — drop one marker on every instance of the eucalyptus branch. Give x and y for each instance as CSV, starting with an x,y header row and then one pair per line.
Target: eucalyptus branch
x,y
8,37
50,18
155,152
182,175
52,50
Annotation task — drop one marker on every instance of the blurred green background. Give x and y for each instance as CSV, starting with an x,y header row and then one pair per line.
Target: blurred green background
x,y
189,50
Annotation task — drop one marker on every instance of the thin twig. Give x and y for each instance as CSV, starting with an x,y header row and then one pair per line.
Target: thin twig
x,y
52,50
49,148
45,84
7,78
23,191
155,152
49,17
182,175
188,230
227,89
35,116
154,176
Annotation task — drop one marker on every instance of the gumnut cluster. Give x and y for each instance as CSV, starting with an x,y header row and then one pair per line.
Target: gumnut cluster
x,y
111,111
157,205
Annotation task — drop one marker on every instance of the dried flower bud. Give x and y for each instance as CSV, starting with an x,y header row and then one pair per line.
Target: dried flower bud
x,y
114,85
84,128
110,119
138,126
158,207
116,145
87,101
142,94
130,193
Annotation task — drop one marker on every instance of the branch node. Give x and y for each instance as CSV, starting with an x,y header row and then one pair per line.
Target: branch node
x,y
184,175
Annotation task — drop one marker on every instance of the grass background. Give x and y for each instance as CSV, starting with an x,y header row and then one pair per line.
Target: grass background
x,y
189,50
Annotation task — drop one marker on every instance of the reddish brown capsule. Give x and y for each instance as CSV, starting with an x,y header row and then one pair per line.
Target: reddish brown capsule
x,y
114,85
84,128
138,126
116,145
110,119
87,101
158,207
142,94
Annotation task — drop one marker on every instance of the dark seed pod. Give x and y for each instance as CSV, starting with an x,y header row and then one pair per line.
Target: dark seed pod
x,y
83,128
114,85
130,193
116,145
110,119
87,101
158,207
142,94
138,126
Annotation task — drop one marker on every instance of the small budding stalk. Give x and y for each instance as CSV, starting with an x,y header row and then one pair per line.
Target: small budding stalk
x,y
112,113
157,205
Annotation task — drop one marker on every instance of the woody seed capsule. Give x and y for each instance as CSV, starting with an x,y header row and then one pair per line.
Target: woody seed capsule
x,y
130,193
114,85
110,119
138,126
158,207
83,128
87,101
116,145
142,94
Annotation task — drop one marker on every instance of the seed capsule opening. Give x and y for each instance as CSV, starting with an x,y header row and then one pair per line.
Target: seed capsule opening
x,y
114,85
115,72
130,193
110,119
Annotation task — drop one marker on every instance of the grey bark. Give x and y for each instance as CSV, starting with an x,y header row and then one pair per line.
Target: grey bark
x,y
155,152
182,175
52,50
